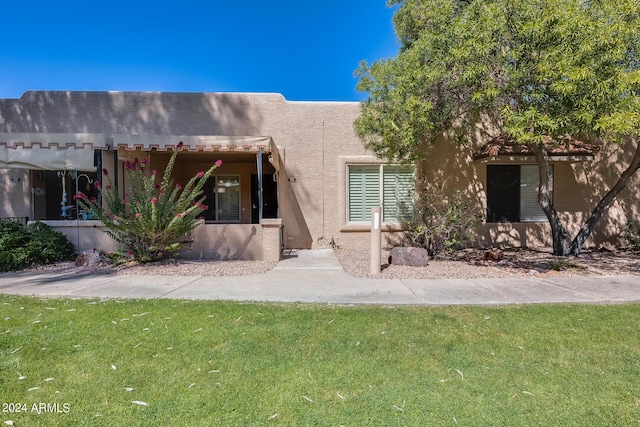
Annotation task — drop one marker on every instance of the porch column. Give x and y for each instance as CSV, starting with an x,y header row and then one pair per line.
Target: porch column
x,y
259,161
271,239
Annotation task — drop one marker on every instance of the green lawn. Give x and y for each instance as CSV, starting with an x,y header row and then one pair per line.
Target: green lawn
x,y
171,363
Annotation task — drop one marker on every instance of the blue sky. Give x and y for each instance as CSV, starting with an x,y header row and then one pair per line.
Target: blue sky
x,y
306,50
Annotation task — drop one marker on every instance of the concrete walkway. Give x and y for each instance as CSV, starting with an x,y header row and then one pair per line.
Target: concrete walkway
x,y
317,276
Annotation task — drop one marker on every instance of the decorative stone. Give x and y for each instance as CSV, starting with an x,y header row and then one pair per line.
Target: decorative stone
x,y
90,259
415,257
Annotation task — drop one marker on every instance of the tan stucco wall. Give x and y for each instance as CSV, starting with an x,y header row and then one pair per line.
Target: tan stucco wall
x,y
210,241
309,135
226,242
15,193
85,235
316,141
578,187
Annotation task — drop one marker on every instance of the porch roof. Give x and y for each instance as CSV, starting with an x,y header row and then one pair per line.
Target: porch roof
x,y
565,150
207,143
51,151
194,142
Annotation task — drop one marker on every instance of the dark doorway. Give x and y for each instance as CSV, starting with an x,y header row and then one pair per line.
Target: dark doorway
x,y
269,197
53,192
503,193
209,191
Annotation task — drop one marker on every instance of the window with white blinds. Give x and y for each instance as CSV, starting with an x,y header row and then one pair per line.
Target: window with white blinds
x,y
389,186
530,210
363,191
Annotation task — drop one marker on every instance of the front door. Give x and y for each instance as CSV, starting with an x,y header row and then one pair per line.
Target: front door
x,y
269,197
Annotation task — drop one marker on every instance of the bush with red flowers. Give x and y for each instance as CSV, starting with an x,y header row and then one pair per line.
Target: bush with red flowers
x,y
152,219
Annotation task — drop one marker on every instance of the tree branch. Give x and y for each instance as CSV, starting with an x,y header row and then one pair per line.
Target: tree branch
x,y
587,228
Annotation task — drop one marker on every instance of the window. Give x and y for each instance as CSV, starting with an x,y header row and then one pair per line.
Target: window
x,y
512,193
53,193
223,198
389,186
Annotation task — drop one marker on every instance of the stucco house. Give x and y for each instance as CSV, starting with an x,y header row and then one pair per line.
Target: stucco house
x,y
294,174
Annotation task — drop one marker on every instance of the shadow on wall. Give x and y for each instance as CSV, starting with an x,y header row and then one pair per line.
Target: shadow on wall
x,y
579,187
297,232
451,165
519,235
223,249
225,242
15,201
588,182
136,113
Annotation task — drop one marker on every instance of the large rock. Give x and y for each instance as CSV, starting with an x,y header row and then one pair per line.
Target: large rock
x,y
415,257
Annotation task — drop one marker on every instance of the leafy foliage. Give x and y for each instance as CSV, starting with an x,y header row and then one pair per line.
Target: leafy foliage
x,y
152,219
22,246
531,69
441,221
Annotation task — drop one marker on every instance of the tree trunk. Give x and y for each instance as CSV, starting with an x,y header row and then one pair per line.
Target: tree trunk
x,y
558,231
585,231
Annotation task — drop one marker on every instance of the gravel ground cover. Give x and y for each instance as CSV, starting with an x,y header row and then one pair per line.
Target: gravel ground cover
x,y
465,264
469,264
169,267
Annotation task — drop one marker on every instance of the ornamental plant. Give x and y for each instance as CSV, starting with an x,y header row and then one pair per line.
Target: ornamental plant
x,y
152,219
441,221
632,236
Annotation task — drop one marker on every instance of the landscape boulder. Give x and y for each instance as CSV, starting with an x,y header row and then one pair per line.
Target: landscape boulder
x,y
415,257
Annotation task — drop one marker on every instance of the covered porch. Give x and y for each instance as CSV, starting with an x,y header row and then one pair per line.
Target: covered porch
x,y
242,219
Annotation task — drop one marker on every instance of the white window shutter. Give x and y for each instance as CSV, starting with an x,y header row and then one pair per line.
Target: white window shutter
x,y
399,185
364,191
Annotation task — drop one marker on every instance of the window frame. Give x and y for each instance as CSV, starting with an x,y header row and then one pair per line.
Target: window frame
x,y
52,193
216,202
522,197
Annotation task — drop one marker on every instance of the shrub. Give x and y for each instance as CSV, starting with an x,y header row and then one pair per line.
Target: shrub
x,y
114,258
441,221
22,246
47,245
151,221
13,239
632,236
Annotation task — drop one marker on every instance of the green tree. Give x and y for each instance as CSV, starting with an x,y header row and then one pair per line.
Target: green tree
x,y
537,71
153,218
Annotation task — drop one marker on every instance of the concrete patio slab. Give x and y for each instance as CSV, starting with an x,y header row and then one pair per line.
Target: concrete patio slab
x,y
303,259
